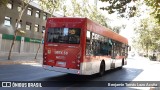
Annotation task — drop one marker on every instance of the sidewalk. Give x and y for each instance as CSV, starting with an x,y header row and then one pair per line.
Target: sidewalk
x,y
20,59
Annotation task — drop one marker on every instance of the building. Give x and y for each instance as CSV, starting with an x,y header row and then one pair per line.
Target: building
x,y
31,23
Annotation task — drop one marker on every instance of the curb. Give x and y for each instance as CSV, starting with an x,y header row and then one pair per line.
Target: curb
x,y
19,62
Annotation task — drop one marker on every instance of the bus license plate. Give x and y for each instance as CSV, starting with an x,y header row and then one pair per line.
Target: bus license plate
x,y
61,63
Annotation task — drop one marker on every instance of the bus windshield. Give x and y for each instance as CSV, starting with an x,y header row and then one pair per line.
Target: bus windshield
x,y
64,35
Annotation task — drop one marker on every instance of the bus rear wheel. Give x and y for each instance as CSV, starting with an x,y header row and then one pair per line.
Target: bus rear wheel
x,y
102,69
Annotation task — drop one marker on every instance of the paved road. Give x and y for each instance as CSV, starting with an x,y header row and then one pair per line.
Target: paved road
x,y
138,69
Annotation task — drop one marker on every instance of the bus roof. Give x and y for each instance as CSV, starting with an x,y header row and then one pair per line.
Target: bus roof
x,y
92,26
99,29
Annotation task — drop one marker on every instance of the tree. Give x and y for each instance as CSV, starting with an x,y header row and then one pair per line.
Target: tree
x,y
130,7
116,29
121,7
97,16
24,5
75,9
155,4
3,2
39,46
148,34
51,6
86,10
78,8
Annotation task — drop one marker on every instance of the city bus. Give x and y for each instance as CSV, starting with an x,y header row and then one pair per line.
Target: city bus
x,y
81,46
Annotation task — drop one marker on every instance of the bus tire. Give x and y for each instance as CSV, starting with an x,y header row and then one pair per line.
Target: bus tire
x,y
102,68
122,64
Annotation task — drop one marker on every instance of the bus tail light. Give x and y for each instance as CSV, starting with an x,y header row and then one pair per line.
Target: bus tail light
x,y
78,57
44,58
78,65
78,61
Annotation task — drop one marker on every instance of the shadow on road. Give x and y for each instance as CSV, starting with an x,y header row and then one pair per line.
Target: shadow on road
x,y
71,80
62,80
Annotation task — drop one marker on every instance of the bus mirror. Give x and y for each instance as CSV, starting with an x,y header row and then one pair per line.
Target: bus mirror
x,y
129,48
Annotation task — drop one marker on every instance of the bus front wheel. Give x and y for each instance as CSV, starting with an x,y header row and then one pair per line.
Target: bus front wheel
x,y
102,68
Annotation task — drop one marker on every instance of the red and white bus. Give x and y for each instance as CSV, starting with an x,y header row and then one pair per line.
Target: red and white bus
x,y
81,46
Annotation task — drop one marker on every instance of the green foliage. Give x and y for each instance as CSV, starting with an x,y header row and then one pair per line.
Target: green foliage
x,y
84,9
3,2
51,5
121,7
155,4
148,35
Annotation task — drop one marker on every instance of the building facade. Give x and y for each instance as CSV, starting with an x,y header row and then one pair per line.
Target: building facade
x,y
32,23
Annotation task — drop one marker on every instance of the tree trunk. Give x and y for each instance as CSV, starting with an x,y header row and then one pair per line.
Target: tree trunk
x,y
37,50
14,38
147,49
16,27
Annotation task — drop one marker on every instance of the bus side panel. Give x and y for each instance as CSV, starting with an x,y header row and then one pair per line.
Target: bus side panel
x,y
91,65
89,68
83,40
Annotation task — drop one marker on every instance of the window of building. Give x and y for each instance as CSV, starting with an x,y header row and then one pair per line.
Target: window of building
x,y
44,16
36,27
19,8
10,5
19,24
28,25
37,14
29,11
43,27
7,21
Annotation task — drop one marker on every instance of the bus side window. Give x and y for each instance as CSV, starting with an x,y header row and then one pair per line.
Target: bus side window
x,y
89,43
110,47
105,46
123,49
88,47
126,51
74,36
